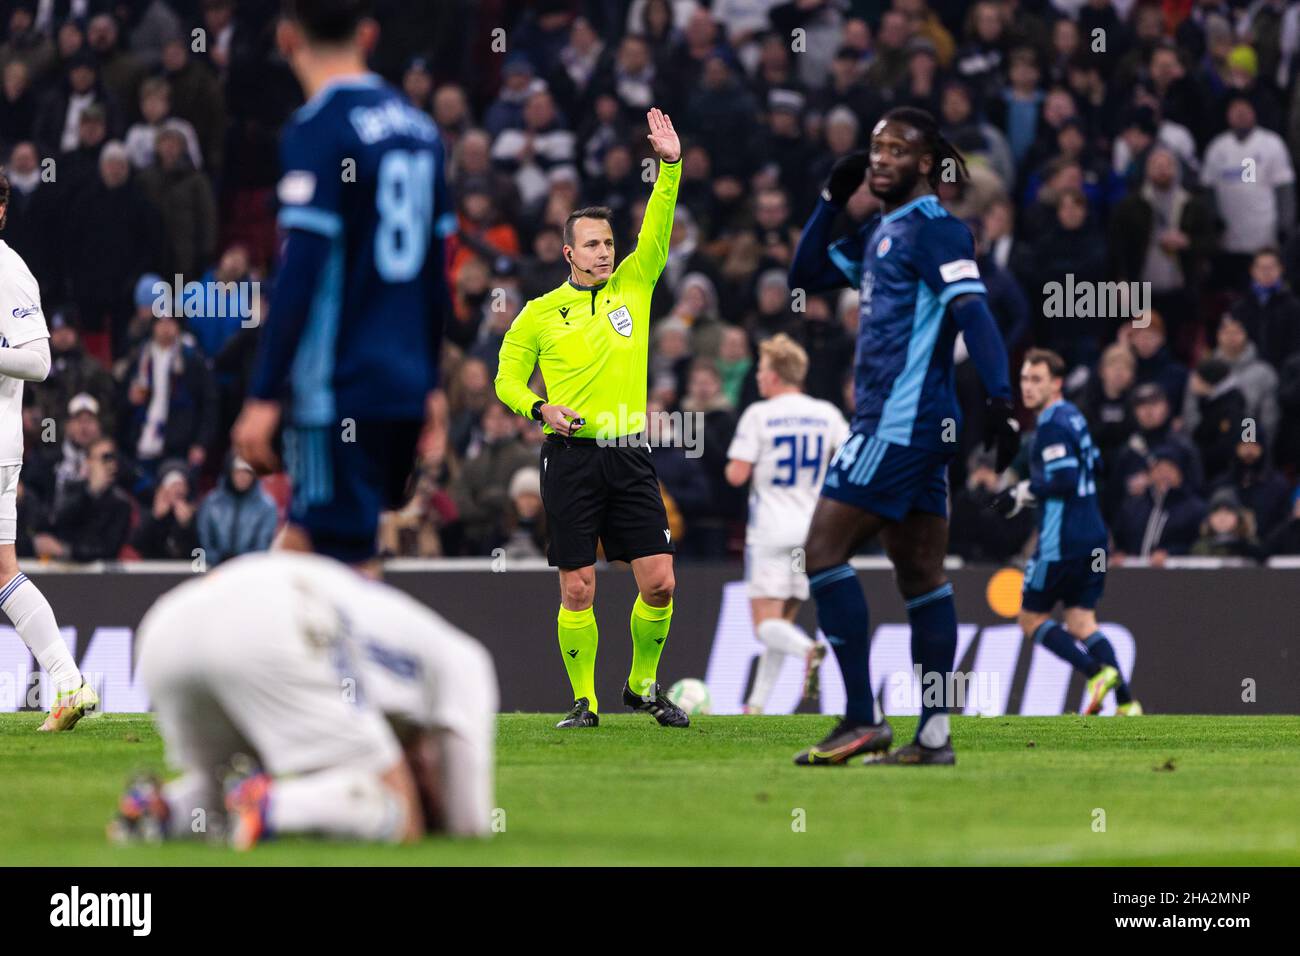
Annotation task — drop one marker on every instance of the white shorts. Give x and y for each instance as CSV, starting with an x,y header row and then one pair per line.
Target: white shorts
x,y
226,680
771,572
9,503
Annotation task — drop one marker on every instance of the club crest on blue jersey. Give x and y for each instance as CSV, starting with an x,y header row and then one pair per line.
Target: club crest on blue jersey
x,y
883,248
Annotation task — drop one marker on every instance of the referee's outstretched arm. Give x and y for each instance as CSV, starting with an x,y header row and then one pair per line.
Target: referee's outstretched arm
x,y
650,256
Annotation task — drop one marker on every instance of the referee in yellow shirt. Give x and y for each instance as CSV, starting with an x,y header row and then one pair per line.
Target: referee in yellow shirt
x,y
591,338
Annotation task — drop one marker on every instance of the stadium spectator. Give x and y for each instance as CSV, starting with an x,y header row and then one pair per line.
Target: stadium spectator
x,y
719,118
17,104
155,112
1017,107
1269,310
33,204
687,491
496,322
888,64
482,489
469,396
78,166
52,468
1071,246
471,162
540,271
59,117
1259,487
517,84
846,89
1214,414
532,150
167,531
73,374
1249,171
92,522
451,111
1228,531
526,520
1165,518
714,424
425,526
1163,235
237,517
25,42
115,239
1106,401
222,304
121,71
417,84
1156,364
981,57
183,197
977,139
197,98
172,400
1129,474
1254,376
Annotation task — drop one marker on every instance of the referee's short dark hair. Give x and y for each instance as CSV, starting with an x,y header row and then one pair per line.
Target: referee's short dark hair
x,y
327,21
586,212
1055,364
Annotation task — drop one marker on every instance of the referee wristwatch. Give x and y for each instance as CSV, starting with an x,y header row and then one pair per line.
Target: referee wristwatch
x,y
537,410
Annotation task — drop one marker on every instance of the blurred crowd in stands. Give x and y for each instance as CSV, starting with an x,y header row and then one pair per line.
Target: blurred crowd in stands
x,y
1131,142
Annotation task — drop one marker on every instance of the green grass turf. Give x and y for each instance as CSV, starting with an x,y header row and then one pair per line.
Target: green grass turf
x,y
1175,790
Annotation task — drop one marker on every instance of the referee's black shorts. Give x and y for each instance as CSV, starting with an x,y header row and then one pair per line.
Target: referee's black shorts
x,y
607,491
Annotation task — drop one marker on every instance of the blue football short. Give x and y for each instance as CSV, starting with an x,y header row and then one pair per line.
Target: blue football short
x,y
1071,581
888,480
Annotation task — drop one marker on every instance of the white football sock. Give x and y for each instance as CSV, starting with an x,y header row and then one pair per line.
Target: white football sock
x,y
344,802
780,635
935,732
769,669
33,619
197,808
466,782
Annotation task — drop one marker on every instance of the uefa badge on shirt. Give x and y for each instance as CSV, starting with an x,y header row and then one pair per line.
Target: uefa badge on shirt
x,y
621,319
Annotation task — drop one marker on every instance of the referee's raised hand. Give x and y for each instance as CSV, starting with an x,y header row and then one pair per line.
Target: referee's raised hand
x,y
662,136
562,419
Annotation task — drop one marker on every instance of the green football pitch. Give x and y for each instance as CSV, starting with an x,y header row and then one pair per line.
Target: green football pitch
x,y
1031,791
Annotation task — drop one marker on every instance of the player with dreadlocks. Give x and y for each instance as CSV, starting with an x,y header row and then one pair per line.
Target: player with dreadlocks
x,y
914,266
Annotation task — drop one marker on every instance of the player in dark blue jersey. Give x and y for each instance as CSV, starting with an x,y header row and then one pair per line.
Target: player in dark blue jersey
x,y
1069,564
914,266
348,361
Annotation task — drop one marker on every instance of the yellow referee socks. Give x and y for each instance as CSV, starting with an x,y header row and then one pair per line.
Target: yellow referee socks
x,y
649,631
577,630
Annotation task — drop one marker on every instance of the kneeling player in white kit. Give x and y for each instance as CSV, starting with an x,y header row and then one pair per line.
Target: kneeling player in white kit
x,y
25,357
782,445
370,717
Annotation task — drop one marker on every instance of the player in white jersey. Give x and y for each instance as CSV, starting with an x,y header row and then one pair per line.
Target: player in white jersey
x,y
369,717
782,445
25,357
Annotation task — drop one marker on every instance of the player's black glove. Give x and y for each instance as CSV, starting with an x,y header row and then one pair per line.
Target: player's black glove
x,y
845,178
1004,502
1001,431
1009,501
